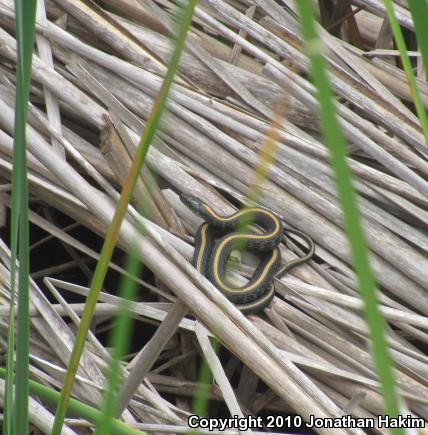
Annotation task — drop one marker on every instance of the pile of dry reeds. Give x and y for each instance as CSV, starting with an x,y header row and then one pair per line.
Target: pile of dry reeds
x,y
96,73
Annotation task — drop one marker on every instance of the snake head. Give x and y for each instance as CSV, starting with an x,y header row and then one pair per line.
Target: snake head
x,y
191,201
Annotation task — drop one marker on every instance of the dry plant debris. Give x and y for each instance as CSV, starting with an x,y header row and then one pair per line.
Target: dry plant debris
x,y
96,72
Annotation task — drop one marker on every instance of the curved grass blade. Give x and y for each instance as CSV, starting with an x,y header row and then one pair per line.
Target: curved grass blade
x,y
114,228
119,344
401,45
360,254
78,408
16,408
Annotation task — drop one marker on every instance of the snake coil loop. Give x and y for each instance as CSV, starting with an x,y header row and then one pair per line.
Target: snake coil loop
x,y
217,237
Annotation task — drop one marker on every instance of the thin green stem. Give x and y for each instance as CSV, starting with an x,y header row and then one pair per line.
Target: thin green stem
x,y
25,21
359,251
401,45
419,10
119,344
79,409
114,228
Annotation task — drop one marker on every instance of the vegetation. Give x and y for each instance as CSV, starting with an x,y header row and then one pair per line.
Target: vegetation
x,y
129,104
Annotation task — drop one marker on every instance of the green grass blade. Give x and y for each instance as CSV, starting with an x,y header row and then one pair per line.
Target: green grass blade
x,y
205,379
261,172
17,403
119,344
114,228
360,254
401,45
78,408
419,11
10,352
266,156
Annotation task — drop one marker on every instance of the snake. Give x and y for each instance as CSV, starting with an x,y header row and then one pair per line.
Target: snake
x,y
218,236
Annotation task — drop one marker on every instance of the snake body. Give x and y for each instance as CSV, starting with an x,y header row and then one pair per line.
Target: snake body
x,y
219,235
216,238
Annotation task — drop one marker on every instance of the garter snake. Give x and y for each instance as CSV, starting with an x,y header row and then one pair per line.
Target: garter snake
x,y
218,235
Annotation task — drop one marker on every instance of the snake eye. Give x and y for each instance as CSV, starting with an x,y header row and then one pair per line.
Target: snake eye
x,y
191,201
185,198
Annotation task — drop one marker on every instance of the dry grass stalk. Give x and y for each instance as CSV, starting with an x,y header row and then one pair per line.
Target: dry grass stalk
x,y
99,71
